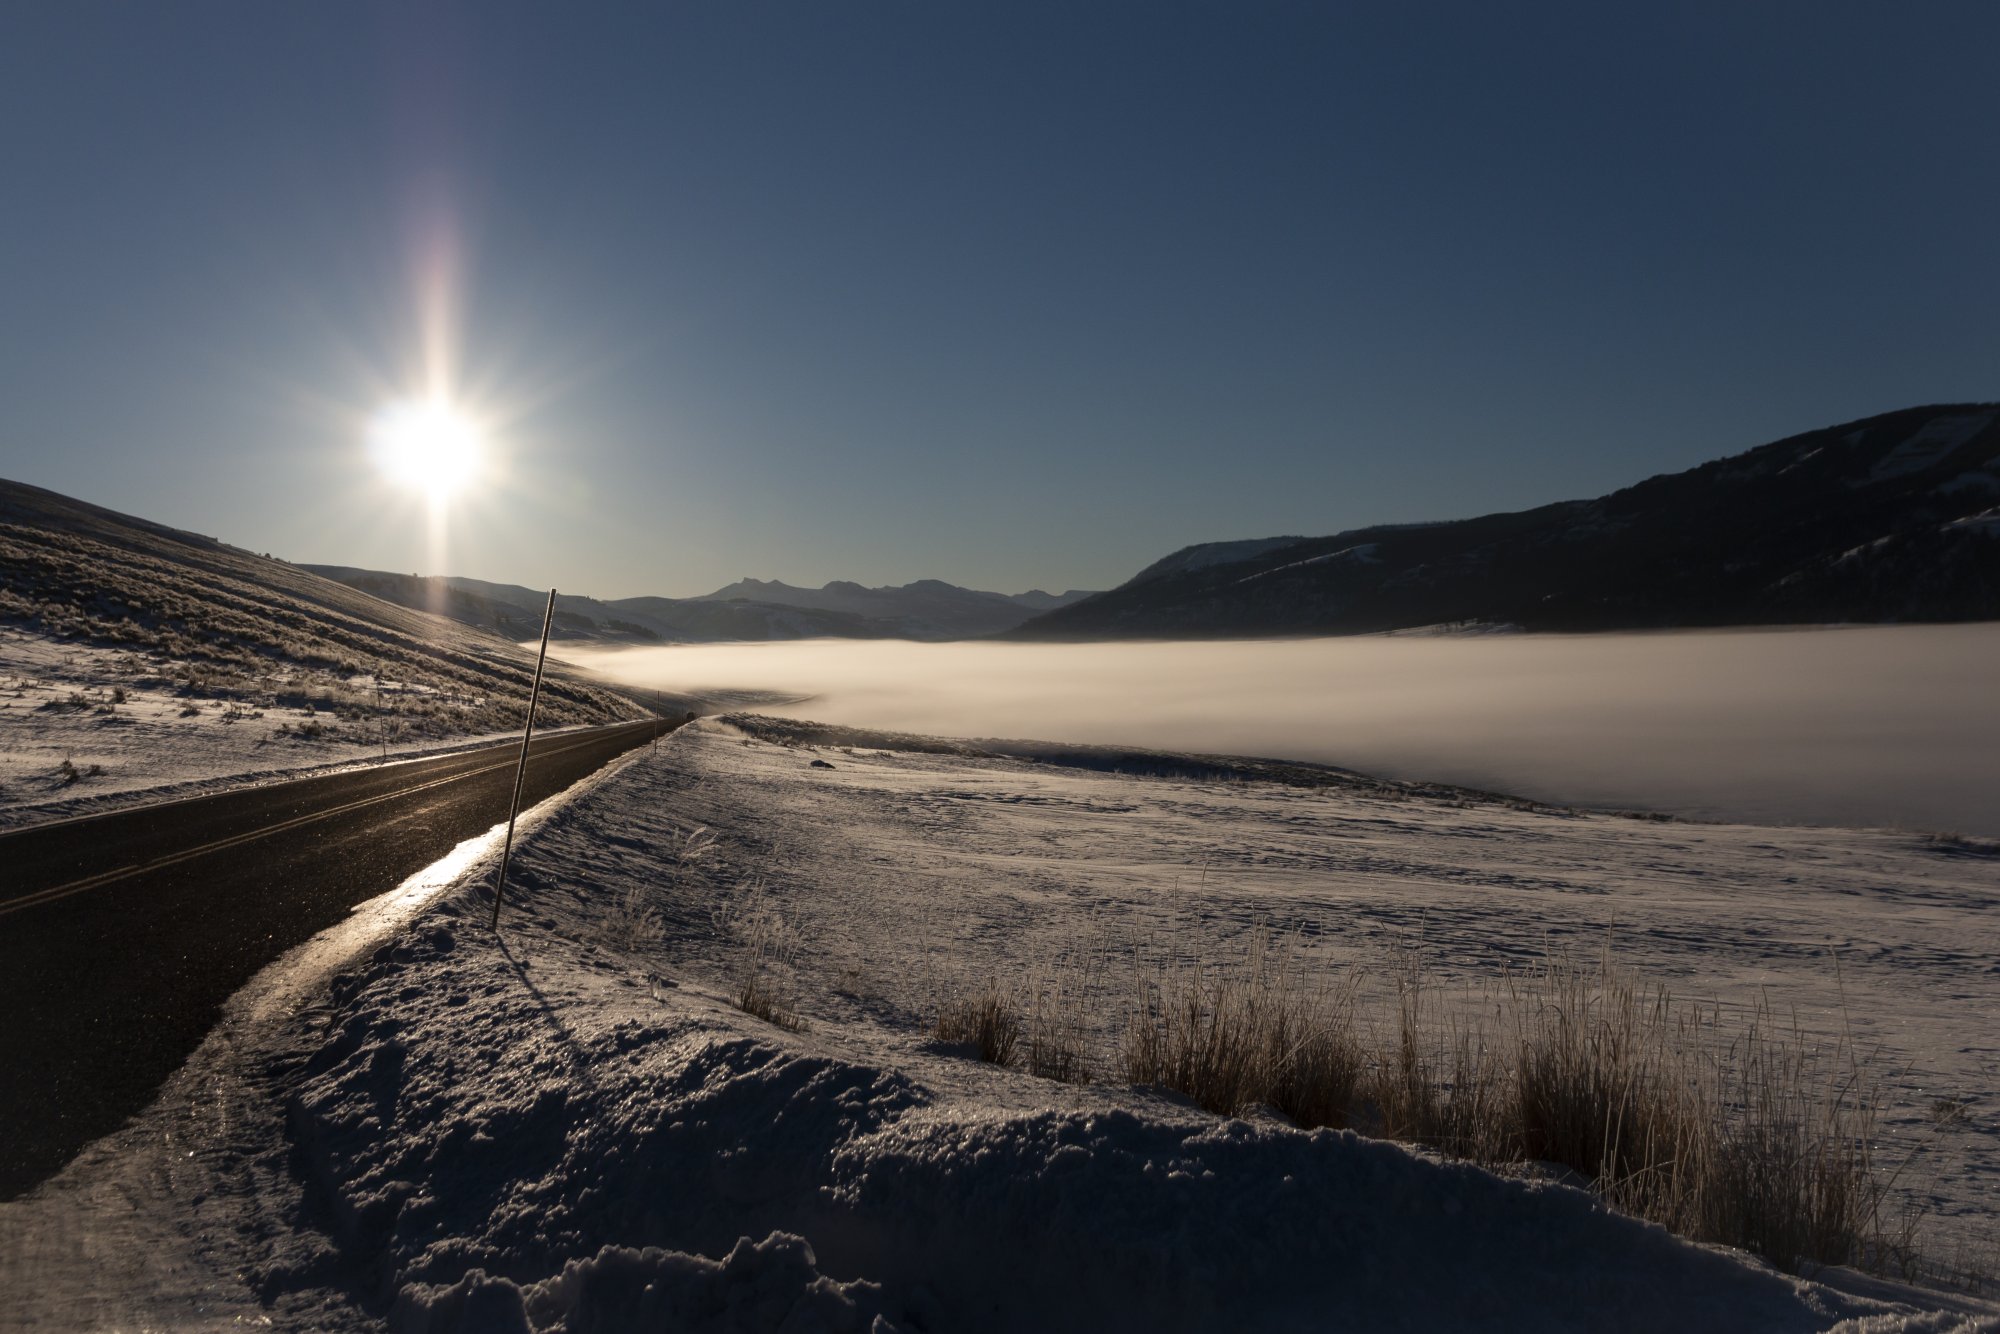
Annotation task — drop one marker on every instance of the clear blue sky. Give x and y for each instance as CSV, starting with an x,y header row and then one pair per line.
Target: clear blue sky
x,y
1007,294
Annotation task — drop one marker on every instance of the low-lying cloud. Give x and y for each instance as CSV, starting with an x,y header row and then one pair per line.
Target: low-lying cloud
x,y
1876,726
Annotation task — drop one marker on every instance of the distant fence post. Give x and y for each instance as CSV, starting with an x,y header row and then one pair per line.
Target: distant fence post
x,y
521,769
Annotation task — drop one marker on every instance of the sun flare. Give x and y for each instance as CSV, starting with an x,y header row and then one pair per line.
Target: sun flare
x,y
428,445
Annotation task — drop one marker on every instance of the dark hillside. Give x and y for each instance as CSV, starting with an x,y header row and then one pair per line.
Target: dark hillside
x,y
1894,518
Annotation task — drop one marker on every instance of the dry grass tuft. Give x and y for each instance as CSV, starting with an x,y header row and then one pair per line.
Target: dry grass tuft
x,y
982,1019
1229,1039
1759,1139
758,996
1786,1168
1436,1081
1601,1080
767,958
1058,1022
633,923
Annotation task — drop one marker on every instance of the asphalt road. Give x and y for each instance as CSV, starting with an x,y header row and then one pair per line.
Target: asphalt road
x,y
121,935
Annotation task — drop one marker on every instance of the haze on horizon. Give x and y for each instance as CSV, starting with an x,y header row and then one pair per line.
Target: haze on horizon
x,y
1013,297
1872,726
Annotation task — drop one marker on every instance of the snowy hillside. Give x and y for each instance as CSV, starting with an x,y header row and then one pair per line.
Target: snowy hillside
x,y
227,623
86,729
574,1127
135,657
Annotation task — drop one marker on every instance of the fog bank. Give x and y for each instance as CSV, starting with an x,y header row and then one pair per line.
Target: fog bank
x,y
1894,726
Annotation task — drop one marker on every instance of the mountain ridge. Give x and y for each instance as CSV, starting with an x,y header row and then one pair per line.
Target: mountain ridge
x,y
751,610
1885,518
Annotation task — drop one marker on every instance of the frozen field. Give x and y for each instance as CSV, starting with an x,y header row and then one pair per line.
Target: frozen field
x,y
994,866
1879,725
572,1127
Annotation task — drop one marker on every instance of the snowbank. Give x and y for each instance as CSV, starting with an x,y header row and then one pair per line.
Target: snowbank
x,y
569,1127
536,1140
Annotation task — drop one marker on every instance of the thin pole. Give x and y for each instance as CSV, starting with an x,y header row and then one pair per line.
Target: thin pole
x,y
521,770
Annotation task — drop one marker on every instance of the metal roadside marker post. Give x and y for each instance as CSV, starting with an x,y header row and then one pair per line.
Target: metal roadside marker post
x,y
521,770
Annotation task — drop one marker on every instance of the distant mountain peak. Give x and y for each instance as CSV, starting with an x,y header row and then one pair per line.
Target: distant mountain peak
x,y
1041,600
922,609
748,610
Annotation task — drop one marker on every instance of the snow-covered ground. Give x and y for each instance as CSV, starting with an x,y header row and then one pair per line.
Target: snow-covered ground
x,y
85,728
571,1127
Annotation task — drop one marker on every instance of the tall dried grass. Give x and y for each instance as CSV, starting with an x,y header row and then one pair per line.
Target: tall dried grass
x,y
765,981
1059,1024
633,922
982,1018
1743,1133
1044,1023
1231,1038
1435,1079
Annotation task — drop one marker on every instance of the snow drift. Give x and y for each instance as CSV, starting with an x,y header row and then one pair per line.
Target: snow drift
x,y
570,1127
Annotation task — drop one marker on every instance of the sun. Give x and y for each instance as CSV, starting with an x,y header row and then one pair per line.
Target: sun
x,y
428,445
